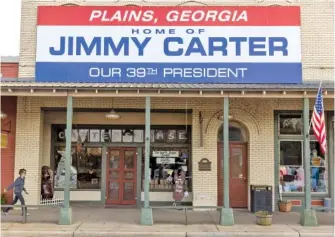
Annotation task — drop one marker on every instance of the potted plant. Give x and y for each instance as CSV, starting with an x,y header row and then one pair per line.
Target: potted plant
x,y
284,205
263,218
3,199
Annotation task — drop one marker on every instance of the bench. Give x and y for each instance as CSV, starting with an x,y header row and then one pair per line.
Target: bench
x,y
24,217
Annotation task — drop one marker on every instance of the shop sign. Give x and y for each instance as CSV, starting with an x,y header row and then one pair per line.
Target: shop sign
x,y
166,161
165,154
4,140
159,44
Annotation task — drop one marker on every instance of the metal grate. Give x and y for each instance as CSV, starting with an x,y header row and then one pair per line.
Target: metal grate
x,y
52,202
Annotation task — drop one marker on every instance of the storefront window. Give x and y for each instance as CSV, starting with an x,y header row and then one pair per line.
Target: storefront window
x,y
166,160
89,168
291,172
85,168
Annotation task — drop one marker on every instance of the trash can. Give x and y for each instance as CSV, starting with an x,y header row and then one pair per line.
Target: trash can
x,y
327,204
261,198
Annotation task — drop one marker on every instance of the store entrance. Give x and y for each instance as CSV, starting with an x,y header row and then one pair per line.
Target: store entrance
x,y
121,176
238,178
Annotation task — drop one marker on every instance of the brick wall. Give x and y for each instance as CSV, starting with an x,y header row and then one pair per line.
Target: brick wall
x,y
317,31
9,70
8,106
255,114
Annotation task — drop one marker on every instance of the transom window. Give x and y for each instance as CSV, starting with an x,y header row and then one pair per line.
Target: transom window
x,y
236,133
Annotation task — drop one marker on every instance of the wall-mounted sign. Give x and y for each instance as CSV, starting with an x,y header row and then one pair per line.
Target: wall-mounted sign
x,y
158,44
205,165
165,160
171,154
4,140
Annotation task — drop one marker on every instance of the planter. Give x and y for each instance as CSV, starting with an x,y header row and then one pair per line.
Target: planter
x,y
285,206
263,218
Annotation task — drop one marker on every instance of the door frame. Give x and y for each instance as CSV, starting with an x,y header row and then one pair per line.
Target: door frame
x,y
136,160
220,172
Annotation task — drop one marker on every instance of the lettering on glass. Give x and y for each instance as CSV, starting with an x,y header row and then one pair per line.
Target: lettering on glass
x,y
94,135
116,135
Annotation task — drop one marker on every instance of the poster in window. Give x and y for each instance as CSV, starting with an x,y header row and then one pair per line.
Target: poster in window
x,y
138,135
106,135
159,136
152,135
83,134
94,135
127,135
116,135
171,136
74,135
182,137
290,124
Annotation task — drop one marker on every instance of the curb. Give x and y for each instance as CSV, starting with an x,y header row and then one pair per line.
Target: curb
x,y
243,234
128,234
14,233
22,233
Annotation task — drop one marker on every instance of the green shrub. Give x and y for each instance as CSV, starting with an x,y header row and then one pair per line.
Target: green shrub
x,y
263,213
3,199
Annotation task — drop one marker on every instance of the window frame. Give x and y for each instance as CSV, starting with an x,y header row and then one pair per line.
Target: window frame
x,y
297,137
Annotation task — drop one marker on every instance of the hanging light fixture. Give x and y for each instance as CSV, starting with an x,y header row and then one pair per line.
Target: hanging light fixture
x,y
112,115
3,115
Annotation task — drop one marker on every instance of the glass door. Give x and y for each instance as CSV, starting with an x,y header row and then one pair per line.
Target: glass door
x,y
121,176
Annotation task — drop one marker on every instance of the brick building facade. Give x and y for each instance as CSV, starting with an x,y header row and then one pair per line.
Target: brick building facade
x,y
256,111
9,69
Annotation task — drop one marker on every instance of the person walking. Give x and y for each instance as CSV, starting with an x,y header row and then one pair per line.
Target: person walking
x,y
18,186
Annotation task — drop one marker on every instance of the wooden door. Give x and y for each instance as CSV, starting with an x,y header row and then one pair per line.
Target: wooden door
x,y
121,176
238,182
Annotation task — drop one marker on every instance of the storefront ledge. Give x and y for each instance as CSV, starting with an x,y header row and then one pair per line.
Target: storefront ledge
x,y
25,233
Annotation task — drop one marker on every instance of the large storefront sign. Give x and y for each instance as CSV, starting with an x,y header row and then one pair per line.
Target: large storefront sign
x,y
169,44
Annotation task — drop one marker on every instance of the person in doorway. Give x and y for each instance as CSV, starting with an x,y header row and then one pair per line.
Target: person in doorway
x,y
18,186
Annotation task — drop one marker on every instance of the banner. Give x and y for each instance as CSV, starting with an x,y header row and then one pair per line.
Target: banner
x,y
168,44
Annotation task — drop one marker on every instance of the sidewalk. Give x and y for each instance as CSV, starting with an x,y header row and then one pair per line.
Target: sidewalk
x,y
98,222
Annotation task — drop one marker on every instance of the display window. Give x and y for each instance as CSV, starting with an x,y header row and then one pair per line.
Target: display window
x,y
164,163
85,172
291,171
170,151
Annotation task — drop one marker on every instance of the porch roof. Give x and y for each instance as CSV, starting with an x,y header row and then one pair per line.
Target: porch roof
x,y
21,86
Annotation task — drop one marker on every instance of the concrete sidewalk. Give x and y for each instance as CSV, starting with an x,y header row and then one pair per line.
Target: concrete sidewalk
x,y
97,221
85,229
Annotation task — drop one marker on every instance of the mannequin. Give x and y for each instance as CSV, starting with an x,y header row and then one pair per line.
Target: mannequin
x,y
60,173
315,159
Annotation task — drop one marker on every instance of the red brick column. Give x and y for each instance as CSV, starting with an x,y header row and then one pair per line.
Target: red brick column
x,y
8,106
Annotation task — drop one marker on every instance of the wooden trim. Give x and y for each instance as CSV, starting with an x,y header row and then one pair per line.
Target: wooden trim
x,y
317,202
163,94
296,202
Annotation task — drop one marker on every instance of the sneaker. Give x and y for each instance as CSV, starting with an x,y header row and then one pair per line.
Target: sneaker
x,y
27,214
5,213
